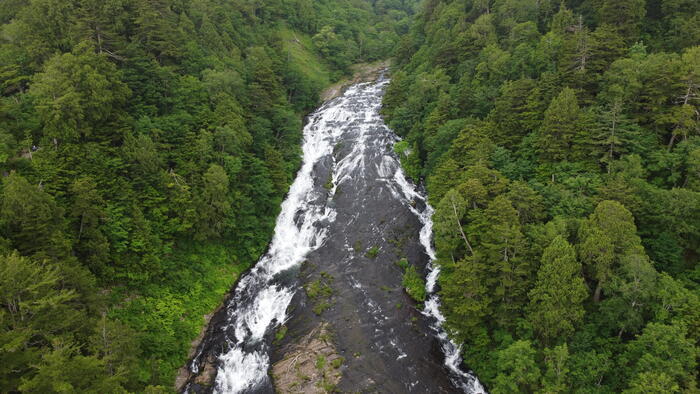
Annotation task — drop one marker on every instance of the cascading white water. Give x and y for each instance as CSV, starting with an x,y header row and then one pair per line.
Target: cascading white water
x,y
261,298
465,381
261,303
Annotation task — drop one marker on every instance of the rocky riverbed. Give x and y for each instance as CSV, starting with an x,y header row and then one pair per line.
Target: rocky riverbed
x,y
325,309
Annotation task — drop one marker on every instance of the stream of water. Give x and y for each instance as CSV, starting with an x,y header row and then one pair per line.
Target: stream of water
x,y
350,188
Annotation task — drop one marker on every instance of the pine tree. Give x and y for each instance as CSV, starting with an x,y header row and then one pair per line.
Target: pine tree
x,y
608,235
466,297
79,95
557,375
556,301
451,240
614,133
623,15
157,31
662,349
35,310
32,220
213,206
88,214
560,128
518,369
509,112
502,245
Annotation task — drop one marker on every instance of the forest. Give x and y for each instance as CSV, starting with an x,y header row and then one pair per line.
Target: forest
x,y
145,147
560,145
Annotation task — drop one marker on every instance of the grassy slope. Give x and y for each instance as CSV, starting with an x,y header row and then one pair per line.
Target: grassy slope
x,y
301,54
169,315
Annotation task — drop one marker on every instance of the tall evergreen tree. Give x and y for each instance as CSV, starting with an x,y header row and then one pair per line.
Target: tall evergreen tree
x,y
556,301
557,136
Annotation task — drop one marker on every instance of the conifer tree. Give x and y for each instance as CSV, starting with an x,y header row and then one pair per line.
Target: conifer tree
x,y
560,127
556,301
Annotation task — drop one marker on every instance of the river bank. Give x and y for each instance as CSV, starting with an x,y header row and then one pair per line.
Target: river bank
x,y
363,72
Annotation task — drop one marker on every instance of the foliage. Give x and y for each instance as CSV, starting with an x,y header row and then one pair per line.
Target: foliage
x,y
145,149
320,291
558,142
414,284
372,252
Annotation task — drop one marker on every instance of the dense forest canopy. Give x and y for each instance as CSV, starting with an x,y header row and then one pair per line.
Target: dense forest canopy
x,y
560,145
145,147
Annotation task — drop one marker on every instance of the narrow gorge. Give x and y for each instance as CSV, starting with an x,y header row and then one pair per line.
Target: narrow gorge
x,y
325,307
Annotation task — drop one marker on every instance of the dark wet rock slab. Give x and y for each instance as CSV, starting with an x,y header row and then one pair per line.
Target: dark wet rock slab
x,y
386,342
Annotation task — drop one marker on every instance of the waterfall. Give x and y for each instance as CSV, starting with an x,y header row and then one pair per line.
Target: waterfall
x,y
349,177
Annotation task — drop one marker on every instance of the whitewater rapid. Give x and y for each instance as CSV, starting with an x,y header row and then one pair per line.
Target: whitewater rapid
x,y
369,168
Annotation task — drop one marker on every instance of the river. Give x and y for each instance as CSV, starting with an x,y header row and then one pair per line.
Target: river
x,y
350,215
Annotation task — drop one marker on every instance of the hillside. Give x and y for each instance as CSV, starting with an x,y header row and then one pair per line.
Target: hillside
x,y
559,142
145,148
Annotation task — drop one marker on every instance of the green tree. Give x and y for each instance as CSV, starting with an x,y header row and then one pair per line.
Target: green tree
x,y
510,112
556,378
623,15
560,128
65,370
556,301
466,297
662,349
77,95
502,245
88,214
517,369
608,235
35,311
157,30
116,345
631,293
32,220
213,206
104,24
614,133
652,382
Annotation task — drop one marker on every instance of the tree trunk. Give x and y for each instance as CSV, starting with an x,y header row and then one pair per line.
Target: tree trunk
x,y
598,292
82,223
461,231
672,141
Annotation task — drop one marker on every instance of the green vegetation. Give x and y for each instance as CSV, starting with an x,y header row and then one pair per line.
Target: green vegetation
x,y
145,147
372,252
409,161
327,386
320,288
560,146
301,51
321,306
403,263
414,284
320,362
357,246
337,363
320,291
281,333
329,183
166,316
